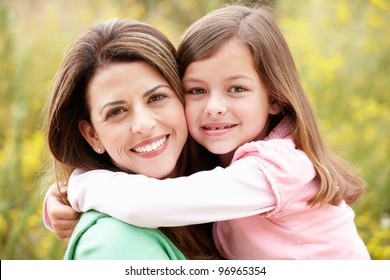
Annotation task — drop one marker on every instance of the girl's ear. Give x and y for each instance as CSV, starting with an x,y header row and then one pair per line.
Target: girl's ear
x,y
90,135
275,108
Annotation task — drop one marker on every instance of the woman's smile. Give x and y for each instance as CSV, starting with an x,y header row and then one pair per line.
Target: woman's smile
x,y
151,147
143,127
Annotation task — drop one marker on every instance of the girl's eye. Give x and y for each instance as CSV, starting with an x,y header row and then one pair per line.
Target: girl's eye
x,y
196,91
156,98
237,89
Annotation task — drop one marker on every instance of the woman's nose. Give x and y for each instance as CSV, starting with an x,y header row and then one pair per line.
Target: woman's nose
x,y
142,122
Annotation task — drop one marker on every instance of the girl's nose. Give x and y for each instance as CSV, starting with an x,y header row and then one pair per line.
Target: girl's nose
x,y
215,106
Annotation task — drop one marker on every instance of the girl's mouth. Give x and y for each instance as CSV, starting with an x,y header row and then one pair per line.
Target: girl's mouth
x,y
218,127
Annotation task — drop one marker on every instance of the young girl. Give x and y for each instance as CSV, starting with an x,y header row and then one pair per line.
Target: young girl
x,y
244,102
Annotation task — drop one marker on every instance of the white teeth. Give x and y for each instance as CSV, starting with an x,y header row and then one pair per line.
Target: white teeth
x,y
218,128
151,147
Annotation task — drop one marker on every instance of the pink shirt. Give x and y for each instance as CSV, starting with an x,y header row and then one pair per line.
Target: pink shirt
x,y
293,229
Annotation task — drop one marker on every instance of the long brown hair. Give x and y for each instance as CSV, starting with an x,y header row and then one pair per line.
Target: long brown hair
x,y
256,27
106,42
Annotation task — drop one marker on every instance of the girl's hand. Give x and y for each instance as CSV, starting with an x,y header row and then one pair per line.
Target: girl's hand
x,y
62,216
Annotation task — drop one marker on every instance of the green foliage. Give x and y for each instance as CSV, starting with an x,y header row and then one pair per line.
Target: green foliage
x,y
342,50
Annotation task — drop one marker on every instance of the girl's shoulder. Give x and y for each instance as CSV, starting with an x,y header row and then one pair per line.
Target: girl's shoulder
x,y
282,130
278,156
279,140
278,148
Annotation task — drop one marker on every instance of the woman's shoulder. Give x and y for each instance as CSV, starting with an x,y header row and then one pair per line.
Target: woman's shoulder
x,y
99,236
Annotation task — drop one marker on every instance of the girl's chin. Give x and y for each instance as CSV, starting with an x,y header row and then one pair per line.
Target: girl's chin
x,y
220,151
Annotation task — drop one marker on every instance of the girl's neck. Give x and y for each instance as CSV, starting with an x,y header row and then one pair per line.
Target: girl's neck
x,y
226,159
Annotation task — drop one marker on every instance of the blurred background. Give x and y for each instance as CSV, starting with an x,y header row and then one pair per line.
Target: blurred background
x,y
341,48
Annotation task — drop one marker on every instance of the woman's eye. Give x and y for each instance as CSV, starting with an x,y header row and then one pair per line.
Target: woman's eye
x,y
196,91
156,98
115,112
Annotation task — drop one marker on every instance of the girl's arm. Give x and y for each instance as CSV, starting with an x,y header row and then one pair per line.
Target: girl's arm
x,y
239,190
59,217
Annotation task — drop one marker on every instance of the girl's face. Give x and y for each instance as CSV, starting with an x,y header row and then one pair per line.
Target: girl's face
x,y
226,101
137,118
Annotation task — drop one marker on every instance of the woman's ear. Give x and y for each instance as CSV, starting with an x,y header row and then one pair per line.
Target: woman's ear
x,y
90,135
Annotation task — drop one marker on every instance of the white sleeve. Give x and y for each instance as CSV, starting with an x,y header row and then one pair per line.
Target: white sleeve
x,y
239,190
45,214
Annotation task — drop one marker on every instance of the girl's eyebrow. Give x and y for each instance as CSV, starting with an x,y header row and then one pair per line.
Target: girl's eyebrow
x,y
230,78
236,77
191,79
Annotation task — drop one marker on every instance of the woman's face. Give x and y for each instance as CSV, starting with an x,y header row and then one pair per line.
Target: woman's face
x,y
136,117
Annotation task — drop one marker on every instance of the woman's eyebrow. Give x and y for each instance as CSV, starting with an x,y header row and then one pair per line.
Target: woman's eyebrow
x,y
116,102
146,94
150,91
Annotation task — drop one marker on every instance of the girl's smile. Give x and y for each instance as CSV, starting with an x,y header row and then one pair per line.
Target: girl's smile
x,y
217,129
226,101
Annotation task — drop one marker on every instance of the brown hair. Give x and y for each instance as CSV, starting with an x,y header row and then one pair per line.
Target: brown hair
x,y
256,27
104,43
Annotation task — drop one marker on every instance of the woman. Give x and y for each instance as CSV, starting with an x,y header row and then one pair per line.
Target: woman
x,y
116,105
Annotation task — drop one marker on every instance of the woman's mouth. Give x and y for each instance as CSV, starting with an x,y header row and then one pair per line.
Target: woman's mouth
x,y
150,147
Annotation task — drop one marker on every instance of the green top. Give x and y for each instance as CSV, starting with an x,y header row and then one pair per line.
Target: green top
x,y
98,236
